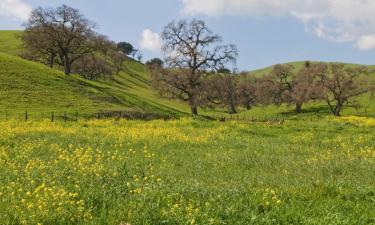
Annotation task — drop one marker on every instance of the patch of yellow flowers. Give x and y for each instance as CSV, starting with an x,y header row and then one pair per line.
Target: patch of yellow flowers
x,y
357,120
47,178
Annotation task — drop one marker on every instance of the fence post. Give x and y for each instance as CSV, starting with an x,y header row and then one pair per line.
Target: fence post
x,y
52,117
26,115
64,117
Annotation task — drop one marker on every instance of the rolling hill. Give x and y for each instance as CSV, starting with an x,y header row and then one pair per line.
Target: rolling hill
x,y
39,89
34,87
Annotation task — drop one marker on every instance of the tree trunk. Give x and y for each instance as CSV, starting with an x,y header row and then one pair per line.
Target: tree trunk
x,y
299,107
337,111
67,67
232,109
193,106
194,110
51,60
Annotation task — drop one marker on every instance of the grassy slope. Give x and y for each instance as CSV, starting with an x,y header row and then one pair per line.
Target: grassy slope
x,y
53,91
9,42
130,90
30,85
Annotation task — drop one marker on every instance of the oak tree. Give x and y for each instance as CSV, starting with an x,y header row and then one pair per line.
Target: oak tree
x,y
191,50
63,32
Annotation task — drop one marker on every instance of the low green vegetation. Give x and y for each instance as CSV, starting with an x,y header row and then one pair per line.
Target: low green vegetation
x,y
34,87
188,172
41,90
10,42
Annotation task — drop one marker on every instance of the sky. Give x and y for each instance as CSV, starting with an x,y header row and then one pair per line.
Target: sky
x,y
266,32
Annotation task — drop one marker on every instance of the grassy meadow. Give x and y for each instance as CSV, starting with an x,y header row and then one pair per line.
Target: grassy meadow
x,y
307,169
188,172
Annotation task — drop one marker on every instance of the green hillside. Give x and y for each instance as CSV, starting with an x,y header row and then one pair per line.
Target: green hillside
x,y
39,89
296,65
10,42
28,85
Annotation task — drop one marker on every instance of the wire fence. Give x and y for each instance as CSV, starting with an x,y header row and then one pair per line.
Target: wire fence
x,y
41,116
68,116
272,119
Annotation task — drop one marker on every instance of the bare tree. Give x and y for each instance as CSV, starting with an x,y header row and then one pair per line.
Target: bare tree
x,y
340,84
92,67
304,87
38,45
191,49
247,91
272,87
176,83
118,60
283,85
65,30
222,90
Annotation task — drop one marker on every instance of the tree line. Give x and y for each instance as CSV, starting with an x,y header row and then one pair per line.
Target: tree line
x,y
195,66
195,72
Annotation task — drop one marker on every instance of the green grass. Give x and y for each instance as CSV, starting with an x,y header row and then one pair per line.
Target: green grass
x,y
10,42
188,172
39,89
28,85
303,171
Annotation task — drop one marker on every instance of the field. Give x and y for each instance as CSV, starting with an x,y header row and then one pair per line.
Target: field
x,y
310,168
188,172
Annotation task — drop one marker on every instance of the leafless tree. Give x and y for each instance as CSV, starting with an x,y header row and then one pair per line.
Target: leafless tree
x,y
118,60
63,29
191,50
92,67
272,87
38,45
247,91
175,83
284,85
340,84
304,87
222,90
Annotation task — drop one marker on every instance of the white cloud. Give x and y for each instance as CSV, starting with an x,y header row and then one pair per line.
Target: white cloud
x,y
334,20
150,41
15,9
366,42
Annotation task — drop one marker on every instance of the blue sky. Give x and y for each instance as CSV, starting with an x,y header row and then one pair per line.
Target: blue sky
x,y
266,32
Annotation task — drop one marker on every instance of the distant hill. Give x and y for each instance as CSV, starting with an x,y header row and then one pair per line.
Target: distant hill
x,y
299,65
